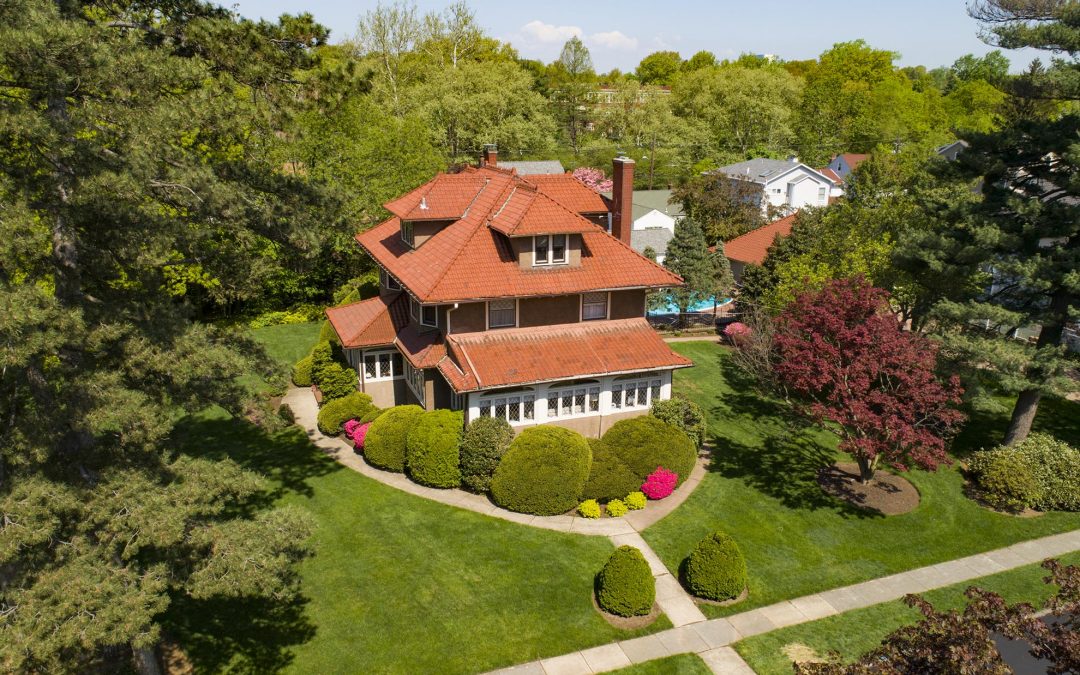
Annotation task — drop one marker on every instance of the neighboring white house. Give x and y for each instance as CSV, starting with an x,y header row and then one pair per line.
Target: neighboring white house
x,y
842,165
654,221
788,185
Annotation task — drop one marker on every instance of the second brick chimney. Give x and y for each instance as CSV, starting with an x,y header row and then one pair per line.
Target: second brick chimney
x,y
622,198
491,155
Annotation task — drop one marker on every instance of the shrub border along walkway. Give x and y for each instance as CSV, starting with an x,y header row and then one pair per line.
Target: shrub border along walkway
x,y
675,602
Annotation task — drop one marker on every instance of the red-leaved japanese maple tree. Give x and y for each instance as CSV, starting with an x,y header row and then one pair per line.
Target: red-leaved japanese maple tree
x,y
843,353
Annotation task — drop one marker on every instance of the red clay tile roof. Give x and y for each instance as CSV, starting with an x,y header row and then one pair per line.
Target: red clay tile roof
x,y
753,246
370,322
527,211
445,197
570,192
469,260
422,349
515,356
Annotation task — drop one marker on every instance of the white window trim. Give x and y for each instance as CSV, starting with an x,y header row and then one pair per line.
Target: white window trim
x,y
389,282
411,373
522,396
412,234
654,389
394,375
426,324
607,307
585,389
550,262
414,309
487,315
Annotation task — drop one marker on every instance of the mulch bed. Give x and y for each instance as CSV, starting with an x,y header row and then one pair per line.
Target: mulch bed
x,y
888,494
723,603
627,622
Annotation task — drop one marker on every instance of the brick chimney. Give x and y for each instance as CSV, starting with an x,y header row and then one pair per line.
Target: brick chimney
x,y
622,198
491,155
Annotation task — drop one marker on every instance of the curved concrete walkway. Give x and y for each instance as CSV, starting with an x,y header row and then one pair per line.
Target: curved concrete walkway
x,y
670,595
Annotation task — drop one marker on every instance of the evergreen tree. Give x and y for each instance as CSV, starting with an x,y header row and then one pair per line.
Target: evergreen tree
x,y
137,165
1020,245
688,256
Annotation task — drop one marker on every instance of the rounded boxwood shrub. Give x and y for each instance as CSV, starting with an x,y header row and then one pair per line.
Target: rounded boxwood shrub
x,y
322,356
388,435
432,449
589,508
683,413
609,478
1053,465
337,381
301,373
716,569
616,508
336,413
372,415
635,501
485,441
644,443
625,586
543,472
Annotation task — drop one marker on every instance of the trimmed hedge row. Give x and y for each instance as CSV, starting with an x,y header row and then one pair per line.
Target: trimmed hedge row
x,y
485,442
334,414
543,472
387,438
683,413
644,443
609,477
432,449
625,585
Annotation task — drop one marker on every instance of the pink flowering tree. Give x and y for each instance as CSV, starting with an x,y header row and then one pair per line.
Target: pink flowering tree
x,y
737,333
660,483
593,178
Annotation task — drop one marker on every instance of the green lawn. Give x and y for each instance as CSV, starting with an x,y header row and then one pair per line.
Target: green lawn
x,y
857,632
397,583
797,540
681,664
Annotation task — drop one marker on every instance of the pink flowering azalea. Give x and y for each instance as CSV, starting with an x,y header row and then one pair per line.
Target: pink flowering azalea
x,y
350,427
660,483
593,178
359,433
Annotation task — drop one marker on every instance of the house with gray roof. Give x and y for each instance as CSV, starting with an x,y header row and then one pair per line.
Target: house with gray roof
x,y
787,185
541,167
654,221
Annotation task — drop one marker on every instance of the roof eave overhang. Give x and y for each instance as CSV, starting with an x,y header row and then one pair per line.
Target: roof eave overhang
x,y
573,377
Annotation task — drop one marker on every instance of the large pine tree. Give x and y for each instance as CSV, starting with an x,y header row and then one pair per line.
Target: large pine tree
x,y
1023,238
136,170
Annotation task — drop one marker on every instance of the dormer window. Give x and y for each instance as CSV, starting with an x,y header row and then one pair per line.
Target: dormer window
x,y
407,232
549,249
429,316
388,281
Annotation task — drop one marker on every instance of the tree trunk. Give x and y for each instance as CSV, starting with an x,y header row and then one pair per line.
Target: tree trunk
x,y
1027,403
867,468
146,661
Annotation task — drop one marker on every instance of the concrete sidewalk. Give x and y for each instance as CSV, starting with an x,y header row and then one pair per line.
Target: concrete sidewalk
x,y
712,639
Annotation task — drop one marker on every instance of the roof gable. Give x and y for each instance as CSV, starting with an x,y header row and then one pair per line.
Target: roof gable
x,y
753,247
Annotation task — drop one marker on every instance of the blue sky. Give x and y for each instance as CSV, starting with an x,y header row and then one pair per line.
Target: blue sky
x,y
618,34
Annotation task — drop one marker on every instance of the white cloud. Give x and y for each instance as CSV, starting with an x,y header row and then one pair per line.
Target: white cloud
x,y
614,40
546,32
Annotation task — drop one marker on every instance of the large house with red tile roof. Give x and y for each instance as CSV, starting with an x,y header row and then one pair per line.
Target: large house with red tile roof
x,y
505,295
752,248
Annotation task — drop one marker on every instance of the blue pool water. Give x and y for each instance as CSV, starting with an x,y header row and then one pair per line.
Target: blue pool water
x,y
703,306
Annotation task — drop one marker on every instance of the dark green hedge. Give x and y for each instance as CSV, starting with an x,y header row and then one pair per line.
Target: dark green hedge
x,y
337,380
301,374
625,586
387,437
543,472
609,478
683,413
486,440
336,413
372,415
716,569
432,449
644,443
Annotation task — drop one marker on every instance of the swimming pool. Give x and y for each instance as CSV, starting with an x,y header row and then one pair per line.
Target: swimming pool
x,y
703,306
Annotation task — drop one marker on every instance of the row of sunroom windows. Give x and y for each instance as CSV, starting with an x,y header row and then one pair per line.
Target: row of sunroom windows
x,y
573,401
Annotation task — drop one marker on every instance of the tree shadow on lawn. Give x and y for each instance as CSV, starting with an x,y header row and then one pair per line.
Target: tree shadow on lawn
x,y
240,635
786,463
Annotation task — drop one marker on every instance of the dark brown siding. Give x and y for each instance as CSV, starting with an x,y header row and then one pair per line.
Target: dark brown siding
x,y
549,311
467,318
627,304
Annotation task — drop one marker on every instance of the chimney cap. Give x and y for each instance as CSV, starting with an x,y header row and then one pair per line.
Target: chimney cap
x,y
623,159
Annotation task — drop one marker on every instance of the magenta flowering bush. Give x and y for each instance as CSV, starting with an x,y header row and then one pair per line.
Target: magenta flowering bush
x,y
593,178
660,483
737,333
356,432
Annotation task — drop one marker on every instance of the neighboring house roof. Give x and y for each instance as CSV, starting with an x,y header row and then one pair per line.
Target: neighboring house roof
x,y
570,192
830,174
469,260
753,247
854,159
646,201
517,356
656,238
534,168
370,322
762,171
